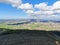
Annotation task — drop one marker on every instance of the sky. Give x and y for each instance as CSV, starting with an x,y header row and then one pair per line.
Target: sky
x,y
40,9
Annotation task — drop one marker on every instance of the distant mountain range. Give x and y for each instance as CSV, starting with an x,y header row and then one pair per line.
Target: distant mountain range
x,y
31,20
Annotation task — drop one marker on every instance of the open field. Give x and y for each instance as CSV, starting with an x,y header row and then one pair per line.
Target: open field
x,y
34,26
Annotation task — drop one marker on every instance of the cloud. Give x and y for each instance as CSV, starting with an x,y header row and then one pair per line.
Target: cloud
x,y
29,11
41,6
26,6
14,3
44,8
56,5
57,11
44,13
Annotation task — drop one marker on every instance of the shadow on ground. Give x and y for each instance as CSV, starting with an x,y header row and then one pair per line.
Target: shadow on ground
x,y
22,23
28,37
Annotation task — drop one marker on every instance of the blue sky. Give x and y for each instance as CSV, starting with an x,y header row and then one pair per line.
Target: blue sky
x,y
39,1
9,12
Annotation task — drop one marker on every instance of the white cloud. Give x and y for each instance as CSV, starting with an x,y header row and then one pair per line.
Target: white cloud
x,y
14,3
48,12
56,5
26,6
29,11
41,6
44,8
44,13
57,11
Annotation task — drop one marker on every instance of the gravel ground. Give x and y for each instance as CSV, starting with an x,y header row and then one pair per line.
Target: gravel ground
x,y
25,37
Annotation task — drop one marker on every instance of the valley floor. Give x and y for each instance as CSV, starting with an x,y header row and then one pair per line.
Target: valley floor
x,y
48,26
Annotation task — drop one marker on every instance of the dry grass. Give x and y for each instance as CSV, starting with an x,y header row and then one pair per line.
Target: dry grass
x,y
34,26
